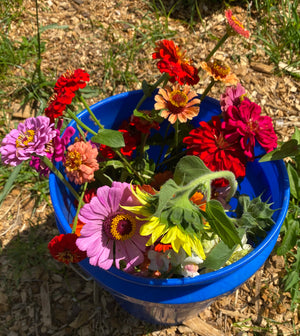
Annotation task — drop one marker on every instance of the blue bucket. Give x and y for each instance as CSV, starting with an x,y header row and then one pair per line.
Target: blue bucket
x,y
171,301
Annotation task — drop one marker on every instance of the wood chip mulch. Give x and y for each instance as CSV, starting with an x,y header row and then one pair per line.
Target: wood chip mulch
x,y
39,296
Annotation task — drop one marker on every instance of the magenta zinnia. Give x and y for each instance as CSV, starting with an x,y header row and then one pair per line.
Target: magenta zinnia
x,y
245,124
111,234
176,103
81,162
31,137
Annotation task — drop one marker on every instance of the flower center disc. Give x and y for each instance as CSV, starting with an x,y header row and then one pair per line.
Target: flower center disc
x,y
237,22
121,227
25,138
73,161
178,98
219,68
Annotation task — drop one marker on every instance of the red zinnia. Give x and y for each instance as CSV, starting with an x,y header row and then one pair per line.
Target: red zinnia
x,y
130,143
173,62
209,144
143,125
72,80
63,248
236,25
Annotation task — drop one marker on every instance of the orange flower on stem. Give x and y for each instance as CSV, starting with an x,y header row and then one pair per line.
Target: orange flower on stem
x,y
81,162
236,25
220,71
177,103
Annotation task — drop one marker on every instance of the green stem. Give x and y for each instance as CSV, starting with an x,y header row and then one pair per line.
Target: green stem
x,y
205,93
51,166
148,94
217,46
128,165
80,123
176,128
208,178
90,112
80,204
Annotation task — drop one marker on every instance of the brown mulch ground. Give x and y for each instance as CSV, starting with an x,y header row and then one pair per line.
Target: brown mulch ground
x,y
41,297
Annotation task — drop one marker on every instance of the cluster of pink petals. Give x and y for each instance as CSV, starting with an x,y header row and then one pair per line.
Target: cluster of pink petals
x,y
31,137
81,162
55,150
232,96
245,124
94,238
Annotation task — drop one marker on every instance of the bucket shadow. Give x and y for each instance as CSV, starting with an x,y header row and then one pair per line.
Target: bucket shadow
x,y
40,296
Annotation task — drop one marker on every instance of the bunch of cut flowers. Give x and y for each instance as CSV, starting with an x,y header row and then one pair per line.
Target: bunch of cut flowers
x,y
169,217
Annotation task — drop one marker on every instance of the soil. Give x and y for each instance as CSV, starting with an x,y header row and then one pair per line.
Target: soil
x,y
39,296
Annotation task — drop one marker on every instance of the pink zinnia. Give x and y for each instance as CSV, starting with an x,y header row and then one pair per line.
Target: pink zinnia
x,y
233,96
81,162
111,234
246,124
31,137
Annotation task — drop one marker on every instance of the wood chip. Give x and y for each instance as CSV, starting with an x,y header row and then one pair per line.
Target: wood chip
x,y
202,328
261,67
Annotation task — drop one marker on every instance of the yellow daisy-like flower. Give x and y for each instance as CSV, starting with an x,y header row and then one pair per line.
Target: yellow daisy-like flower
x,y
220,71
169,234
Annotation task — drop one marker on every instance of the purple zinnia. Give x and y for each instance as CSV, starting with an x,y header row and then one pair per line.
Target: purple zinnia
x,y
31,137
111,234
233,96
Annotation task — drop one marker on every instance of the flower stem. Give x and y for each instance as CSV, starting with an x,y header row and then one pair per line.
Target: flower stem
x,y
80,204
151,88
129,166
176,128
205,93
90,111
80,123
51,166
217,46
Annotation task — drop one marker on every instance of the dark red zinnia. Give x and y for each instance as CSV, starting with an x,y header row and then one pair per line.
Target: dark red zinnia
x,y
143,125
63,248
173,62
209,144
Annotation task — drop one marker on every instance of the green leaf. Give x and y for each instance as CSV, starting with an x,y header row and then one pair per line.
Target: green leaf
x,y
292,280
294,179
221,224
10,181
52,26
189,168
289,148
111,138
290,237
296,134
220,253
166,193
115,164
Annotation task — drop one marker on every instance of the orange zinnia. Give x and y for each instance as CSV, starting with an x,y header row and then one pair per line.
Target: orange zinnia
x,y
220,71
177,103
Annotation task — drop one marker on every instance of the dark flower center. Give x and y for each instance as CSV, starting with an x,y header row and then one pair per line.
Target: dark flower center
x,y
120,226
